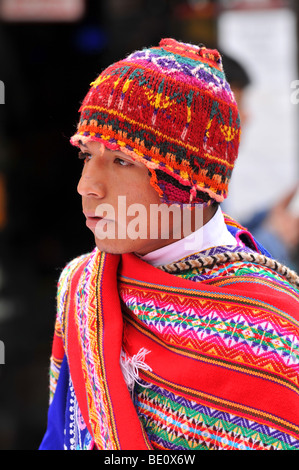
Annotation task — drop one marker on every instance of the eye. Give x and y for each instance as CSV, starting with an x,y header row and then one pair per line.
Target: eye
x,y
121,162
84,156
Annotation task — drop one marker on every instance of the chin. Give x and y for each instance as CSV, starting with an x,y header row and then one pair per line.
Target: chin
x,y
114,247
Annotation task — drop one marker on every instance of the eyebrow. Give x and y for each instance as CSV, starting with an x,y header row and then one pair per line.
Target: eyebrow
x,y
121,154
132,159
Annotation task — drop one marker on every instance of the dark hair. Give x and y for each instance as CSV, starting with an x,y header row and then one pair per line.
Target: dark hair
x,y
236,75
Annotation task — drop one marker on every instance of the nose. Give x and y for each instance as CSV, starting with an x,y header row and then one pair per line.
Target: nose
x,y
91,183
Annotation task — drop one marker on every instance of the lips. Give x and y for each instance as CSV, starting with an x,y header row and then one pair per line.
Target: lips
x,y
92,220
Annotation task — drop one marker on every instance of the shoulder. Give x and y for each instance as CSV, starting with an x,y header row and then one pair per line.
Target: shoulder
x,y
250,274
68,275
72,267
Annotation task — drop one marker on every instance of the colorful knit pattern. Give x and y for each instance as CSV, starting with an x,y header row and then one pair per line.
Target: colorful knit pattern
x,y
171,108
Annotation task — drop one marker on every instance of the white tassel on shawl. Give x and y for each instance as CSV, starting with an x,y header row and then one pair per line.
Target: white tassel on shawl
x,y
130,367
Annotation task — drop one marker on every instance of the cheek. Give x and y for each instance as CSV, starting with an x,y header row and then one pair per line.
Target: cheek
x,y
135,186
142,191
149,193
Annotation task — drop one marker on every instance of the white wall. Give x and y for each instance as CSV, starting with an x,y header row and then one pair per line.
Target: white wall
x,y
265,43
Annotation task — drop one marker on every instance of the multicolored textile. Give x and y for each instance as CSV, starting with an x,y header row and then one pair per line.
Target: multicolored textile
x,y
171,108
215,362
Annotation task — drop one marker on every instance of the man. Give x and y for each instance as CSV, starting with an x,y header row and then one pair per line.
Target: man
x,y
275,226
177,336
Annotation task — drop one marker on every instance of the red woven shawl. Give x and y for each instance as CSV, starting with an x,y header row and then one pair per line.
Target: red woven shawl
x,y
198,363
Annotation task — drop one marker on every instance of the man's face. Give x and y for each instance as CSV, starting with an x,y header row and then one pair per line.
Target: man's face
x,y
111,185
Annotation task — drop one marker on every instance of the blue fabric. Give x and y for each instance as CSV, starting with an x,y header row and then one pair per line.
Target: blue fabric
x,y
247,240
66,429
269,239
54,436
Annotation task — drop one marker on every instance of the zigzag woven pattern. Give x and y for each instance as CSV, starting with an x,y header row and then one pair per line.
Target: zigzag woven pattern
x,y
171,108
240,334
179,423
240,331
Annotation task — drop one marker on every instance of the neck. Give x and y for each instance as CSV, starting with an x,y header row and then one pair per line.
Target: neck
x,y
191,220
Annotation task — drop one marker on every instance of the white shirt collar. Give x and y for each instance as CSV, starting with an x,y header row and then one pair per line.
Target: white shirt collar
x,y
213,233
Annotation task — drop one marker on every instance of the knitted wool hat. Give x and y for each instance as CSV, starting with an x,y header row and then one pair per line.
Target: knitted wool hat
x,y
171,108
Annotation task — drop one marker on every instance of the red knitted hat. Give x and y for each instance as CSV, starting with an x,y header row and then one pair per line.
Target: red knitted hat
x,y
171,108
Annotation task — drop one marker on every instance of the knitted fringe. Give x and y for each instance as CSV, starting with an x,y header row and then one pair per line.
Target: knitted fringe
x,y
130,367
210,261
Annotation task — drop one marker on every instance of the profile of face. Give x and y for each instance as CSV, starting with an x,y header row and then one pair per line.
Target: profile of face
x,y
113,186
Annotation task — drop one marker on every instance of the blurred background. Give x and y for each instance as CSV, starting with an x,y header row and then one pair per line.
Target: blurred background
x,y
50,51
